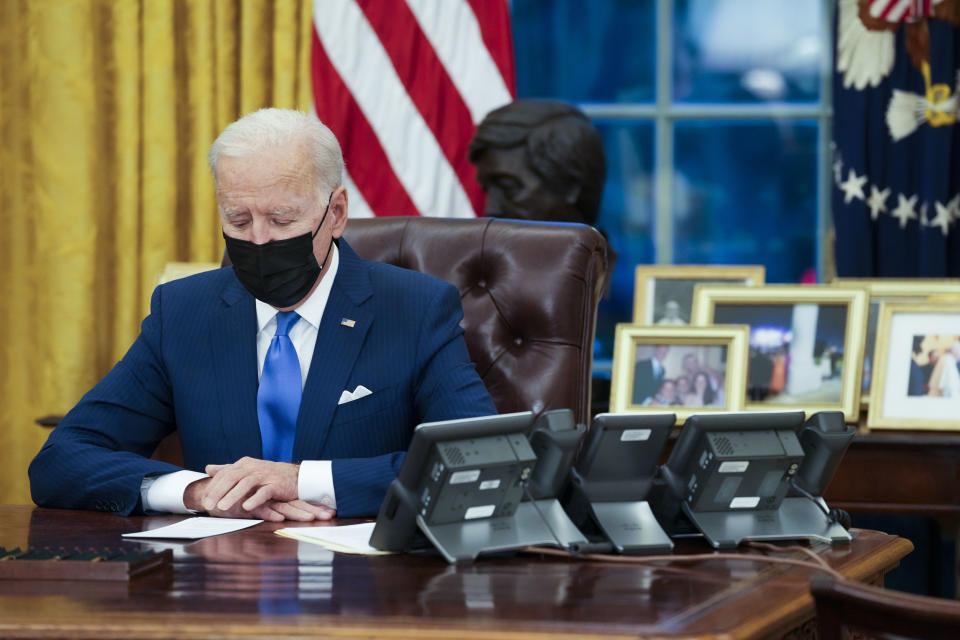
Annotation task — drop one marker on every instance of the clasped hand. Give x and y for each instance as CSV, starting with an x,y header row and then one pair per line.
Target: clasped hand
x,y
252,488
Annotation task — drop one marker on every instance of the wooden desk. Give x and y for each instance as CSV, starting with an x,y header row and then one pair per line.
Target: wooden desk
x,y
914,474
899,472
254,583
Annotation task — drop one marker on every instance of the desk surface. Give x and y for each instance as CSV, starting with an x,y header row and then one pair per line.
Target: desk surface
x,y
254,583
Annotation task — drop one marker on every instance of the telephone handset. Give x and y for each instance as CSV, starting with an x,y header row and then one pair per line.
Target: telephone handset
x,y
824,438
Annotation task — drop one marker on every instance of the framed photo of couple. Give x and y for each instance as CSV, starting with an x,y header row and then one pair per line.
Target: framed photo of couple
x,y
916,382
663,294
893,290
684,370
805,343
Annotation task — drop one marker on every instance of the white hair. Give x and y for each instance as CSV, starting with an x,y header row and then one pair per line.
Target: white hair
x,y
268,128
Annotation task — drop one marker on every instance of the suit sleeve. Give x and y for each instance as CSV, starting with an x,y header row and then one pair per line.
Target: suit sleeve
x,y
447,388
97,457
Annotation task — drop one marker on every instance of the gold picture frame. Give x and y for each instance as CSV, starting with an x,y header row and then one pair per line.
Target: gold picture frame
x,y
893,290
684,277
895,403
712,349
782,367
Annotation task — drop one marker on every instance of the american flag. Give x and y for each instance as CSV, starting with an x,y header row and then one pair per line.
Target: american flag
x,y
896,201
403,84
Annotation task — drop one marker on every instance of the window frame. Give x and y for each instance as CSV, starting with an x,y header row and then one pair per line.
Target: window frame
x,y
665,113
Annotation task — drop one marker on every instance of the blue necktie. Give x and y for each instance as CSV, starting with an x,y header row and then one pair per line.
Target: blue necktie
x,y
278,399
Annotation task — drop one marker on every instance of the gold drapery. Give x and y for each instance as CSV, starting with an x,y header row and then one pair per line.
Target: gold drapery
x,y
107,108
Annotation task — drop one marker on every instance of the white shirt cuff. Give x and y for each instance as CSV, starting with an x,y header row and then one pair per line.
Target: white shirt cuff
x,y
315,483
165,493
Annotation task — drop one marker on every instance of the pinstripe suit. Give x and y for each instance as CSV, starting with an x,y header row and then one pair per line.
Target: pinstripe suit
x,y
193,368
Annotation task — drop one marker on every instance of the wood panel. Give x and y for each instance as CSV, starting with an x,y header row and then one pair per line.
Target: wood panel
x,y
899,472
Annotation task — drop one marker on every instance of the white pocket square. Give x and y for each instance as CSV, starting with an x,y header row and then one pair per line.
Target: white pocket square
x,y
360,392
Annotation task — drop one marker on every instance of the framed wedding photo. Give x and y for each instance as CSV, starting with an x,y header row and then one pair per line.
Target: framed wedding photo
x,y
806,343
893,290
663,294
684,370
916,384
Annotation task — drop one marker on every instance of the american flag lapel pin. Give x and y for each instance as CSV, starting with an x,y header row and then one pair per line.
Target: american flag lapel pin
x,y
347,322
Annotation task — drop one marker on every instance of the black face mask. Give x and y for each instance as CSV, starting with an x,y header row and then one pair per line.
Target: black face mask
x,y
280,272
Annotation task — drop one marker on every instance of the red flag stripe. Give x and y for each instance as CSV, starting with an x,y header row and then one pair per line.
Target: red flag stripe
x,y
494,21
356,53
453,30
429,86
409,80
337,109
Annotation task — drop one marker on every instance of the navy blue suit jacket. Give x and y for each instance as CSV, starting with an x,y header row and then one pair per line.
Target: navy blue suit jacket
x,y
193,368
645,382
915,380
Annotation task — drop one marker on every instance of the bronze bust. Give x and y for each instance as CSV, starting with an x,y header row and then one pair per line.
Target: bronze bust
x,y
539,160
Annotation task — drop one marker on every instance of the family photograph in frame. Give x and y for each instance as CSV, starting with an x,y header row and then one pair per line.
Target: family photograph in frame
x,y
684,370
805,343
663,294
917,355
892,290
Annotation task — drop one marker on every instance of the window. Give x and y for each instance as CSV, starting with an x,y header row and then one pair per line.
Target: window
x,y
715,120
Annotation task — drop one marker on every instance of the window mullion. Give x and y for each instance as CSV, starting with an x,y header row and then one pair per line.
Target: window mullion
x,y
663,137
825,155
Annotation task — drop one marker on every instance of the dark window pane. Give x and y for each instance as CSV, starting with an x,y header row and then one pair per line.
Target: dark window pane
x,y
746,193
747,50
585,52
626,216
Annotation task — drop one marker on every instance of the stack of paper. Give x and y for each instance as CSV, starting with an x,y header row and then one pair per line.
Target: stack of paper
x,y
351,538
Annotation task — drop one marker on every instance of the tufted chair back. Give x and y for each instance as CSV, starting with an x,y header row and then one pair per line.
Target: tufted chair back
x,y
529,292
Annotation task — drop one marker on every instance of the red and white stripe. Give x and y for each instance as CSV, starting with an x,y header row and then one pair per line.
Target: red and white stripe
x,y
900,10
403,84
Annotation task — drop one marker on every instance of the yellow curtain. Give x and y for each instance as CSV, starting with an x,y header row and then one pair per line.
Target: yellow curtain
x,y
107,108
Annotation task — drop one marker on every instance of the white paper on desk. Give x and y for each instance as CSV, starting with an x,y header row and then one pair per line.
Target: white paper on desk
x,y
349,538
194,528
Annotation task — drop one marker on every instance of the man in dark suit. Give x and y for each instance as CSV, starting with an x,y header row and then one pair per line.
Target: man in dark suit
x,y
933,356
648,375
294,379
918,379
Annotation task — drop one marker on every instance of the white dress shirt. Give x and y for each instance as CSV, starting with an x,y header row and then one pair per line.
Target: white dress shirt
x,y
315,481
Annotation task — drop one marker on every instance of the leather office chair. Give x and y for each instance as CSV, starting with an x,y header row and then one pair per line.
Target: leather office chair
x,y
529,291
870,612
